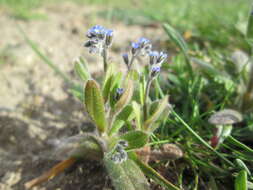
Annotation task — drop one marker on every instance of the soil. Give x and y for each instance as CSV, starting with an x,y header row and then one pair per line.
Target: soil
x,y
35,104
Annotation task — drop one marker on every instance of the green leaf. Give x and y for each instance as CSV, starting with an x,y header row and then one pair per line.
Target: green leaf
x,y
82,146
180,42
237,143
116,84
109,81
108,85
77,91
249,33
133,74
207,68
126,176
126,115
241,181
155,114
142,89
137,112
126,96
135,139
176,38
94,104
150,172
81,69
242,166
163,116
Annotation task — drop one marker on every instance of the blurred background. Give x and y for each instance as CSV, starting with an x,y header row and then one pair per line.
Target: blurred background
x,y
35,104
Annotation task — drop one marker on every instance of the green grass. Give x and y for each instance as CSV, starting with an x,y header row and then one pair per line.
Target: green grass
x,y
213,21
216,22
23,9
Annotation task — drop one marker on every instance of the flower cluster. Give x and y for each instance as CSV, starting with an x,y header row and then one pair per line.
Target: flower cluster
x,y
144,47
140,48
155,60
100,38
120,155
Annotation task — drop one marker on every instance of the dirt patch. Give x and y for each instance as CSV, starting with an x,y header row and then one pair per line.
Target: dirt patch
x,y
35,105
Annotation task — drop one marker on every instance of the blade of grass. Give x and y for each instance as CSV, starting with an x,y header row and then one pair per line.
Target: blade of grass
x,y
235,142
241,181
150,172
179,41
189,129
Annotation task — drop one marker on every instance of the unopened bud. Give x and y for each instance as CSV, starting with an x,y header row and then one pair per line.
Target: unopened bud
x,y
108,38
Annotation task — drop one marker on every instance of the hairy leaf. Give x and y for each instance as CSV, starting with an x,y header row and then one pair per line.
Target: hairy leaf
x,y
176,37
125,115
108,85
82,146
155,114
94,104
126,176
126,96
81,69
137,112
135,139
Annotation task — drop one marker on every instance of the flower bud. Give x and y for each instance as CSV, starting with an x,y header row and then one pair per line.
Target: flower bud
x,y
119,92
135,48
125,58
162,57
155,70
108,38
153,56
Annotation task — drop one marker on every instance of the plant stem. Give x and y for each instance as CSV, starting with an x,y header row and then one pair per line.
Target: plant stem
x,y
233,141
105,57
145,106
131,62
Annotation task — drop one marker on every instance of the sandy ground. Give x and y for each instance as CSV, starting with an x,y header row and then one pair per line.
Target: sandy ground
x,y
35,105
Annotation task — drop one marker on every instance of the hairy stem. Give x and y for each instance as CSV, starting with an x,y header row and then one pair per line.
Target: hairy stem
x,y
131,63
145,106
105,57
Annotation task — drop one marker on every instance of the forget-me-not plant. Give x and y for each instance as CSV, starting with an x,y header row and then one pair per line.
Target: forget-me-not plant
x,y
112,106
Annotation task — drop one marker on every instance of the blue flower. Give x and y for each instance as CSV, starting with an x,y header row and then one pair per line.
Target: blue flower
x,y
95,31
99,39
155,70
108,37
119,91
162,57
157,57
125,58
143,41
118,94
142,47
153,56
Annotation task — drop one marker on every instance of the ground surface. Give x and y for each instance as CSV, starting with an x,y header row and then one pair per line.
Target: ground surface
x,y
35,106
